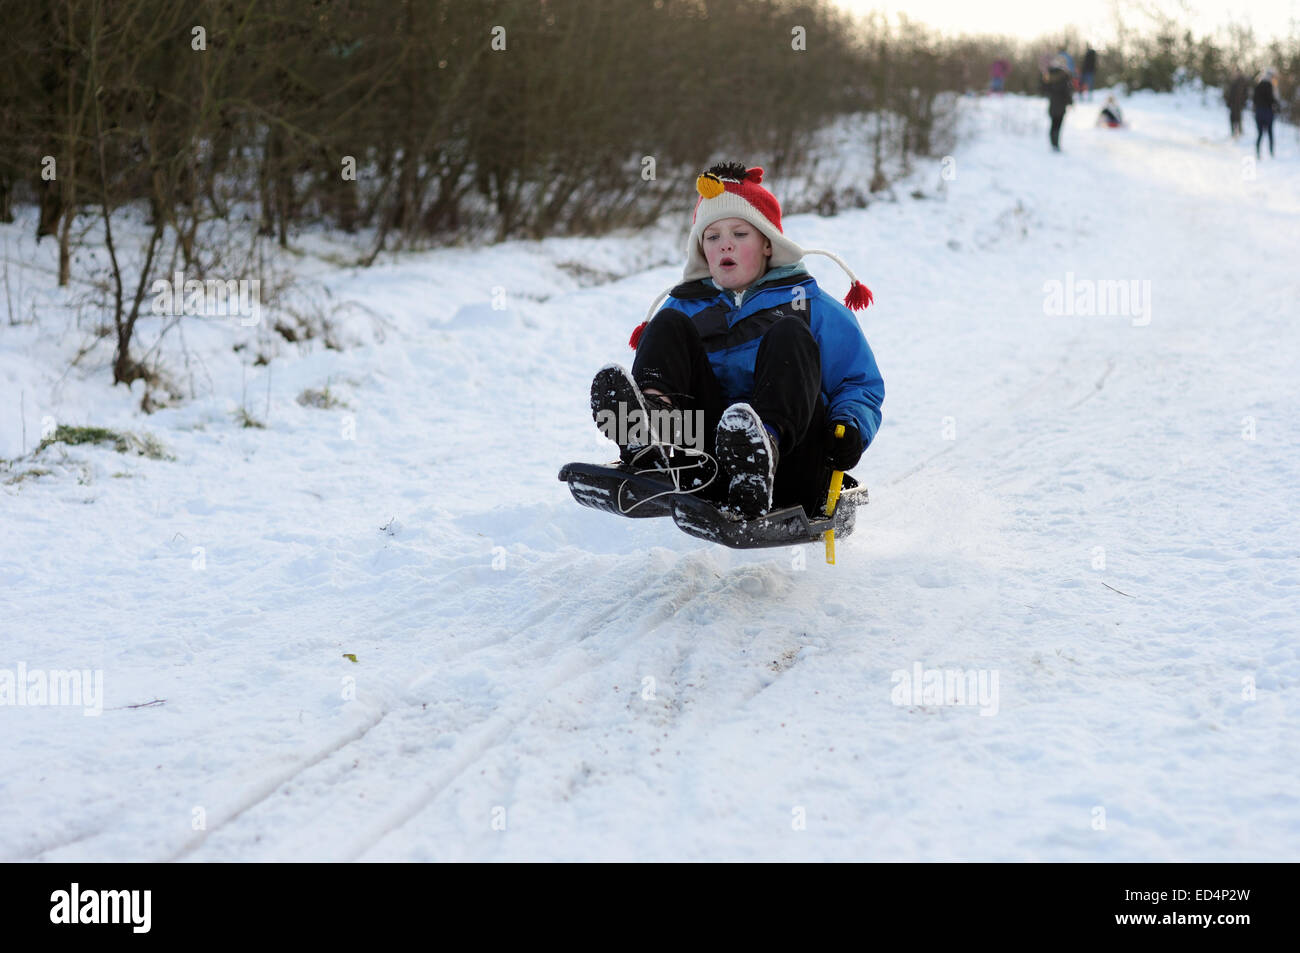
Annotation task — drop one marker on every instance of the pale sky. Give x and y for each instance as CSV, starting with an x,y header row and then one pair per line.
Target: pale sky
x,y
1027,19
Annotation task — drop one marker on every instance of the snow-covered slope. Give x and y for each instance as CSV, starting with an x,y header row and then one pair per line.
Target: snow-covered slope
x,y
1095,514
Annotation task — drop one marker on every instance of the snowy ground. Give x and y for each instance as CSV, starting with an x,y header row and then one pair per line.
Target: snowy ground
x,y
1098,510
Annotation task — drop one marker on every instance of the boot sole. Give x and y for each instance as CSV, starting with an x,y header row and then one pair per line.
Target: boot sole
x,y
744,454
611,387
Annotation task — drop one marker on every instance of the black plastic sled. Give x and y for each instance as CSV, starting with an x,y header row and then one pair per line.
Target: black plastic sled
x,y
622,491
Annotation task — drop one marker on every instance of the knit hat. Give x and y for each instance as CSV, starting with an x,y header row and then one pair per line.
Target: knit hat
x,y
729,190
738,195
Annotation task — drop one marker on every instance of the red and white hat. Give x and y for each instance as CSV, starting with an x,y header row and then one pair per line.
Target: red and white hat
x,y
729,190
732,191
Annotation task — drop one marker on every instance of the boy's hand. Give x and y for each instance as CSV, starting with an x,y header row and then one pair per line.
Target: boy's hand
x,y
844,452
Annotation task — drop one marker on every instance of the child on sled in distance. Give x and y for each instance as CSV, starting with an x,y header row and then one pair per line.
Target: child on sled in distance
x,y
1110,114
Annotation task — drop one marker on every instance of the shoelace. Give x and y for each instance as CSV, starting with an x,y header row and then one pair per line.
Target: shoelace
x,y
675,471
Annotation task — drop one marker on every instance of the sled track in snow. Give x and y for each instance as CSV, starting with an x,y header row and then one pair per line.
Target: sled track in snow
x,y
576,662
261,791
488,734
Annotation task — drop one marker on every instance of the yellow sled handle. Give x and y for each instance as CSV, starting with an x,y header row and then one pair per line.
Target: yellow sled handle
x,y
833,497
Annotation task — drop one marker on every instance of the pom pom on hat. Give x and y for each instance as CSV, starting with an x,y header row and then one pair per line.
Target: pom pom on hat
x,y
709,185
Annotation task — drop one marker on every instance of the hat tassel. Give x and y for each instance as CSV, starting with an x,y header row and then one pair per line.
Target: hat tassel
x,y
859,295
635,339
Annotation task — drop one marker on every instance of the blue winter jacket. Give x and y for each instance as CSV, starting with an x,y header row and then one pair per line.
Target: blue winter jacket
x,y
732,327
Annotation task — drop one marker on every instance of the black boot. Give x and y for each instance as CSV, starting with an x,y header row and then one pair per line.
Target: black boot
x,y
748,456
629,418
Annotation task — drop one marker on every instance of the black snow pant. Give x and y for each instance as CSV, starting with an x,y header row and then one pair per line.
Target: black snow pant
x,y
1055,134
787,396
1234,117
1264,123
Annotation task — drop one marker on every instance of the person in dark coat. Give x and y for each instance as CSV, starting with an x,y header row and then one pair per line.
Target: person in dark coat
x,y
1056,84
1235,95
1089,73
1265,102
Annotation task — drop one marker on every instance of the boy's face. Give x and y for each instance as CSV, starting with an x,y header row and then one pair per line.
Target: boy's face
x,y
737,253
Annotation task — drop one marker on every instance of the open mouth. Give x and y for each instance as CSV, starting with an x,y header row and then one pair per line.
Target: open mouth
x,y
727,262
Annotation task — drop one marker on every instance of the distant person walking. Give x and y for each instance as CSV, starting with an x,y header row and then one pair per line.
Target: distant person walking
x,y
1265,102
1235,95
1056,84
998,73
1089,73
